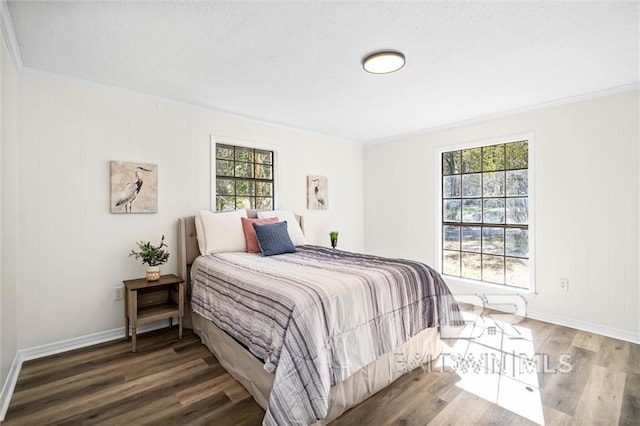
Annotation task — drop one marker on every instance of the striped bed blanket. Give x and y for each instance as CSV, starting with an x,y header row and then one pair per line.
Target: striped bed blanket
x,y
317,316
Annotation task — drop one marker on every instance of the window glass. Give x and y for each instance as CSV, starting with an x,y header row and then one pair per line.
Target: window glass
x,y
244,178
485,213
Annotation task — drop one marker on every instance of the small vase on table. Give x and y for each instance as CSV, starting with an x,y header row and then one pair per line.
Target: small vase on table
x,y
153,273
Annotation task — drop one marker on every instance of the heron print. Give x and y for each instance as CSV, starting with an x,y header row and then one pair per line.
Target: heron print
x,y
317,193
134,187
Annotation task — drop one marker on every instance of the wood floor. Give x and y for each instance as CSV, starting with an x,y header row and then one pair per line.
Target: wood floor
x,y
170,381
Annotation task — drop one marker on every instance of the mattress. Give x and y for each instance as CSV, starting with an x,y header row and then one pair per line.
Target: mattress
x,y
317,317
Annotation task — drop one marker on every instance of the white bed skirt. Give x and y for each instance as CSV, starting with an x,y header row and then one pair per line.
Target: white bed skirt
x,y
250,372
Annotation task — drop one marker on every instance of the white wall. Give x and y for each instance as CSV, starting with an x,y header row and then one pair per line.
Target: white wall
x,y
72,252
3,371
586,206
8,229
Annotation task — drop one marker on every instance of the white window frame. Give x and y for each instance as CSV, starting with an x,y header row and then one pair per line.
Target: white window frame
x,y
450,279
246,143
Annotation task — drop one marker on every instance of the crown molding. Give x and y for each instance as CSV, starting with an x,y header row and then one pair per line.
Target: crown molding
x,y
25,70
9,34
558,102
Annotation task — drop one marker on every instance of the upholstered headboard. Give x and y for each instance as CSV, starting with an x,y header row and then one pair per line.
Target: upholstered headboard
x,y
188,242
187,245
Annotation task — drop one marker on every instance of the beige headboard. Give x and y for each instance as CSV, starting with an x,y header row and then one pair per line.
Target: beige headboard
x,y
187,245
188,242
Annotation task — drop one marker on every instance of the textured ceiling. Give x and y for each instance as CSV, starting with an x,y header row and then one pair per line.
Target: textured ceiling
x,y
298,63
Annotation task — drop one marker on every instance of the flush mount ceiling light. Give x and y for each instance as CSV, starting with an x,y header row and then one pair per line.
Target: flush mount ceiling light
x,y
383,62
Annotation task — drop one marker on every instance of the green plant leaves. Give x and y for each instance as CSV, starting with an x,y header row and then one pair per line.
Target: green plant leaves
x,y
151,255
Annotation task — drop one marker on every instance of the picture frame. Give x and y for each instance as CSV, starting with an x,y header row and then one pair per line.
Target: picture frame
x,y
134,187
317,193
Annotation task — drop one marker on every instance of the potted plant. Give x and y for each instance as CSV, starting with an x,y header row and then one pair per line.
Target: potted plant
x,y
333,235
153,256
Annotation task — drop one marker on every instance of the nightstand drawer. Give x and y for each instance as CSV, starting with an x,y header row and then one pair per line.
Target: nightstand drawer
x,y
152,296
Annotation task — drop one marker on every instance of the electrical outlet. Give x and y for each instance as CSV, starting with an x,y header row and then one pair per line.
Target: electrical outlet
x,y
564,284
118,293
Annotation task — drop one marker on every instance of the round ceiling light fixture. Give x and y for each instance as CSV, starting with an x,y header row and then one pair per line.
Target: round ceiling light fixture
x,y
383,62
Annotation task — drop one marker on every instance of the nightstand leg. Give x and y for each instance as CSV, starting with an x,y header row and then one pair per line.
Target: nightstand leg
x,y
133,317
126,313
180,307
170,322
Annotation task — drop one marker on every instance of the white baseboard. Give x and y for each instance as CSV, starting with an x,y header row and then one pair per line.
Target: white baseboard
x,y
55,348
590,327
9,386
615,333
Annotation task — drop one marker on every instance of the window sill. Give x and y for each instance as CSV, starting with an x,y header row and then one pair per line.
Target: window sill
x,y
478,286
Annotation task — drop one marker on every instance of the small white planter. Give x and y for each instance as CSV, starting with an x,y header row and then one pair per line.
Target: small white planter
x,y
153,273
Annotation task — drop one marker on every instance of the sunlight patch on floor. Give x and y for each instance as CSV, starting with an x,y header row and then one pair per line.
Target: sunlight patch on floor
x,y
496,361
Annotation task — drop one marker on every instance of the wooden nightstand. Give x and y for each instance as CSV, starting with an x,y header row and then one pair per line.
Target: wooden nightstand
x,y
149,301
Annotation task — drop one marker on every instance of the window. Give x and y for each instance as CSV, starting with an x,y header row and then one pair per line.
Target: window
x,y
485,213
244,177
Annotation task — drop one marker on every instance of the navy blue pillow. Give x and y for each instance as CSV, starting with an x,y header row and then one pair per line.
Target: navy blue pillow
x,y
273,238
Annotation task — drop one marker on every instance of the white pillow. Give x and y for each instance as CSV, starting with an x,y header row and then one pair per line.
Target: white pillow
x,y
295,232
220,231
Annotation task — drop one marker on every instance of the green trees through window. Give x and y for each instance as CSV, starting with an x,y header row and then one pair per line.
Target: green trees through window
x,y
485,213
244,178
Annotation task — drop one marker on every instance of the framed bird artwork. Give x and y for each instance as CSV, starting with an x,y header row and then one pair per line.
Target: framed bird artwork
x,y
134,187
317,193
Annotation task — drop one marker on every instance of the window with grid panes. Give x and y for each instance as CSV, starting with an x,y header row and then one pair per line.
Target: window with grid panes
x,y
485,213
244,178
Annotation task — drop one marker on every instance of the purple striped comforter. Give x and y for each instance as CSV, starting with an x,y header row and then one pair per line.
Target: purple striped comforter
x,y
317,316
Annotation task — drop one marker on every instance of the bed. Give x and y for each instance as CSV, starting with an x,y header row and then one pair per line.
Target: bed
x,y
291,383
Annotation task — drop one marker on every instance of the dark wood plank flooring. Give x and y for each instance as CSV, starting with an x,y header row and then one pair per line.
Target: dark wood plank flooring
x,y
176,382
